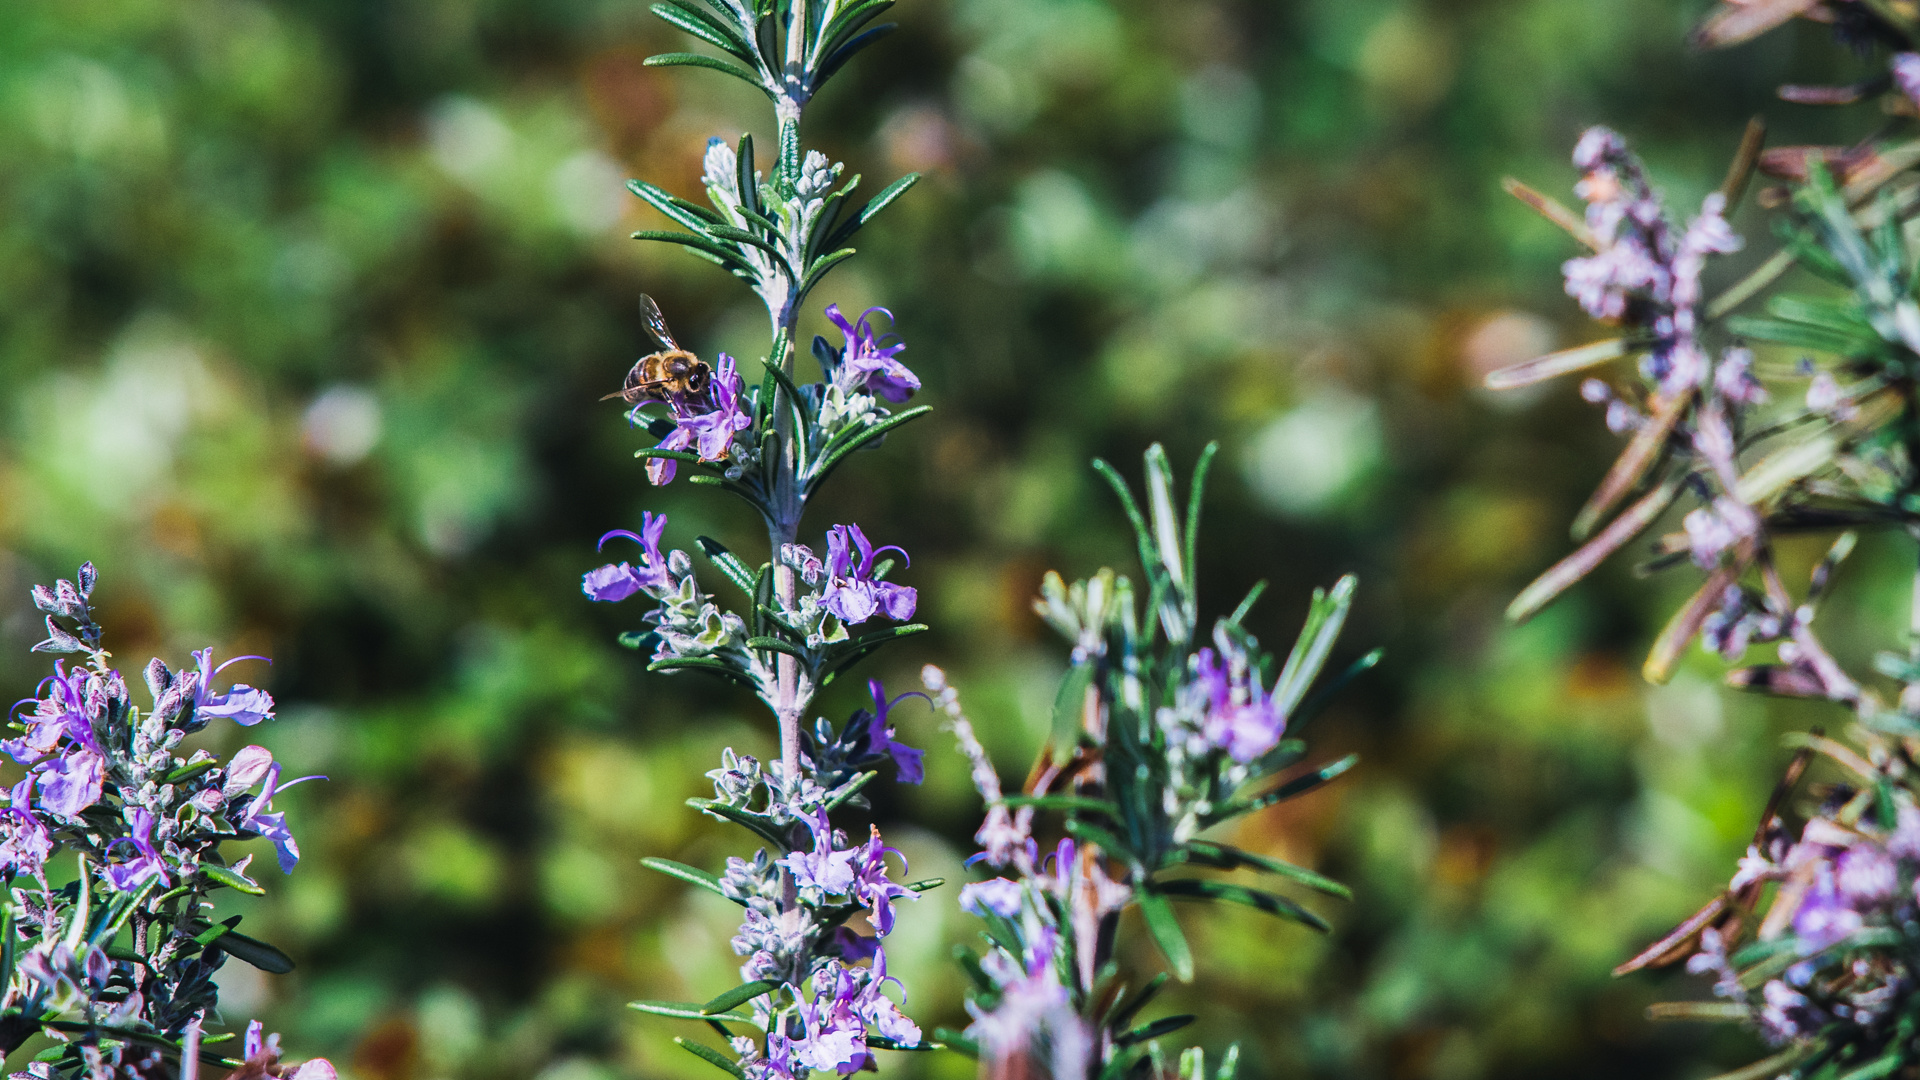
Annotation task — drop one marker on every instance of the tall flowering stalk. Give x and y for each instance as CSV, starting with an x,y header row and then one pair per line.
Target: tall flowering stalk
x,y
1804,419
1160,734
111,844
813,991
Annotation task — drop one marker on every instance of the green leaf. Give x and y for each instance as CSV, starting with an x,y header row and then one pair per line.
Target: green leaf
x,y
774,644
958,1041
1069,706
702,246
232,879
1325,619
819,267
713,63
1227,857
1064,802
709,1055
1087,832
727,562
1132,509
707,664
848,51
705,27
970,964
1246,606
1197,488
1165,929
753,240
689,874
757,823
1801,335
690,215
189,771
739,995
849,789
1272,904
1299,785
874,205
255,952
847,654
846,443
685,1010
1126,1009
926,884
1162,1026
671,455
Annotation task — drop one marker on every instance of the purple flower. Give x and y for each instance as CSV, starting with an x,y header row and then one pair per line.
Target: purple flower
x,y
1824,917
880,739
852,594
71,783
825,868
146,862
871,885
998,895
1866,876
65,713
1906,74
25,843
1240,718
704,423
846,1002
241,703
260,819
868,365
617,581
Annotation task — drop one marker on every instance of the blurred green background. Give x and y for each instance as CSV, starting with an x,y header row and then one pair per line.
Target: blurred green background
x,y
305,306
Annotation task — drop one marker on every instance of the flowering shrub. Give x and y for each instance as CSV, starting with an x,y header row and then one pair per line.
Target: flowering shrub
x,y
111,953
1155,739
1799,420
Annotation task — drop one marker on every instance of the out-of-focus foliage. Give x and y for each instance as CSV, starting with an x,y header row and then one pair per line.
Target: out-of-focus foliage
x,y
305,306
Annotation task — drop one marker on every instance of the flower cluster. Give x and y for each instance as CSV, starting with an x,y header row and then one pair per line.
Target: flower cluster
x,y
1641,274
793,933
865,367
1155,740
704,423
849,585
1824,964
124,960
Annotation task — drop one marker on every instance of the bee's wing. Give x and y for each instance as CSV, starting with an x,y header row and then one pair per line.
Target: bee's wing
x,y
656,323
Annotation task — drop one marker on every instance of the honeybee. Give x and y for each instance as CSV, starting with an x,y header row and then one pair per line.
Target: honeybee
x,y
672,370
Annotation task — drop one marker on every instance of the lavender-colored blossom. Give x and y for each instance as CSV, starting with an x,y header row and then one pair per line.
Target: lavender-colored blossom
x,y
1906,74
1239,717
1824,916
873,888
704,423
879,734
1866,876
25,842
851,592
72,782
64,714
827,867
259,818
1711,530
240,703
617,581
145,863
1001,896
867,364
1733,378
1786,1014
